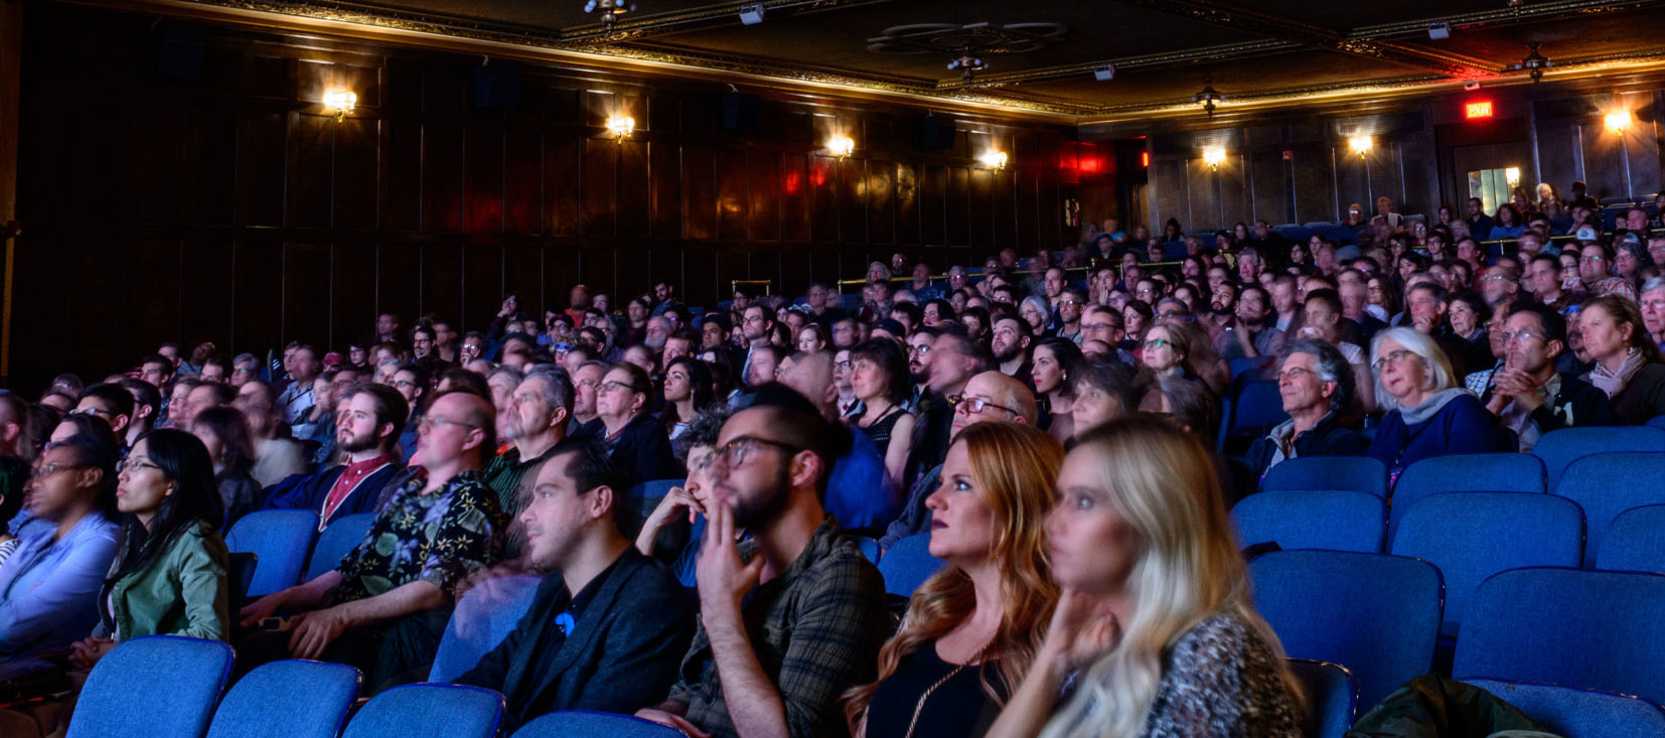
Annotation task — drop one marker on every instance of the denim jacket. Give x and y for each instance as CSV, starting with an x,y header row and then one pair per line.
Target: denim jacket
x,y
49,587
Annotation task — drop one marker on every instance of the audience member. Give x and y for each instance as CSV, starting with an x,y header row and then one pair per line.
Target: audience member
x,y
879,377
1316,383
367,435
635,442
225,433
1627,364
1527,394
1427,413
276,458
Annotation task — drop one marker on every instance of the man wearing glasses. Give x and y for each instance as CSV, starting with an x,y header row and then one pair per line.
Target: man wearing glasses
x,y
795,616
109,403
989,396
394,590
1527,394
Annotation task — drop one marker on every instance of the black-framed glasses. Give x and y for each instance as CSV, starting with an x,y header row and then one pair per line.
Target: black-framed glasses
x,y
135,464
735,452
975,405
611,385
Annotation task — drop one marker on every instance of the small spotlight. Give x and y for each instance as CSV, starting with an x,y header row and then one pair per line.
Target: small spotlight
x,y
1439,31
751,14
1214,156
1105,73
620,125
993,159
1361,144
1512,176
1471,85
1617,121
841,146
340,102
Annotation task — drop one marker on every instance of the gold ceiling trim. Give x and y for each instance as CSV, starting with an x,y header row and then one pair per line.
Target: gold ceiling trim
x,y
1503,16
636,26
455,34
1222,52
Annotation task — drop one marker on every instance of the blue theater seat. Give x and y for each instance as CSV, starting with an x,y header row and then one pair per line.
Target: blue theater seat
x,y
483,617
1341,520
280,541
429,711
153,686
288,699
1580,713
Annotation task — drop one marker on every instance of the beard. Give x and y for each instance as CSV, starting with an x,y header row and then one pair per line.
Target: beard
x,y
353,444
761,511
1007,354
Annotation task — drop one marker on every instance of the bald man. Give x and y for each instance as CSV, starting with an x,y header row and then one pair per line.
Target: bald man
x,y
860,496
989,396
385,607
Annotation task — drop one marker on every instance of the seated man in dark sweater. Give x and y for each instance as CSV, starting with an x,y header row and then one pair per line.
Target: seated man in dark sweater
x,y
1527,394
367,432
608,625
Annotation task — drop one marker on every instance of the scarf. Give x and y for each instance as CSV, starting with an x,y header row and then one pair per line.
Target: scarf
x,y
1613,382
1430,406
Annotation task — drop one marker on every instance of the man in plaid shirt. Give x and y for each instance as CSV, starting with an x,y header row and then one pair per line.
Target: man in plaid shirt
x,y
794,617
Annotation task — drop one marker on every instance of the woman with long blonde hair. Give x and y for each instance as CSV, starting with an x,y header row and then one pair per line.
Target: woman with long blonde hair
x,y
972,629
1155,618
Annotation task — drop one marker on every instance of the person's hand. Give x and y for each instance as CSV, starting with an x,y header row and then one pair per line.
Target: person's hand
x,y
671,721
723,580
84,654
1525,391
508,308
676,501
315,631
1082,628
265,607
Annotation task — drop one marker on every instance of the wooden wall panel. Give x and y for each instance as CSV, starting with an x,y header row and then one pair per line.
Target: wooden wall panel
x,y
1314,185
823,212
1556,156
699,166
306,268
599,188
483,163
261,141
1603,162
1268,175
310,171
563,157
933,197
794,198
852,200
353,306
957,206
356,188
632,189
665,179
442,177
731,195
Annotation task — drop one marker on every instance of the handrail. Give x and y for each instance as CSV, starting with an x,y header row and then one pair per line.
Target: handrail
x,y
1094,264
734,285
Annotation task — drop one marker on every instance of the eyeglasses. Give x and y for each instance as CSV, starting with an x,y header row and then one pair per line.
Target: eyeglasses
x,y
1295,372
1157,343
135,465
1393,357
1522,337
735,452
921,349
611,386
429,421
47,470
975,405
94,411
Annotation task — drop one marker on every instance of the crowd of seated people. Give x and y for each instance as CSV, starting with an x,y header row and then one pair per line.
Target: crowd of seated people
x,y
1053,424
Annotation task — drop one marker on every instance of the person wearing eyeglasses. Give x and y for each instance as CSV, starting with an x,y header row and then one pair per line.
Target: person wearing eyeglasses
x,y
110,403
49,586
1428,414
1070,305
169,575
1318,389
791,619
1527,394
637,444
384,608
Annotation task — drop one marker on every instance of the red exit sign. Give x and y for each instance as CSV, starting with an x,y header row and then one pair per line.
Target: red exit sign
x,y
1477,109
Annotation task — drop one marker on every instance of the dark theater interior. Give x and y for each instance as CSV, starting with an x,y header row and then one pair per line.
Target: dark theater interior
x,y
832,368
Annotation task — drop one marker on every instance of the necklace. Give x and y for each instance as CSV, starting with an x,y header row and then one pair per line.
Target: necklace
x,y
920,705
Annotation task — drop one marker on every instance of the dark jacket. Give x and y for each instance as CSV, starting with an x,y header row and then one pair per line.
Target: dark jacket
x,y
642,452
1462,426
621,655
1577,403
1328,438
1642,398
308,491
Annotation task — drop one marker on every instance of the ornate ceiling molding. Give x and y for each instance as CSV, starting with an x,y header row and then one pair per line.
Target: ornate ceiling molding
x,y
638,27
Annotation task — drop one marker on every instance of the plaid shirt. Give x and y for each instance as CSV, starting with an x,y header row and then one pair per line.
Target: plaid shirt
x,y
816,629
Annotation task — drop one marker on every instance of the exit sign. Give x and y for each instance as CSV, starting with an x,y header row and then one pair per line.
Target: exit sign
x,y
1477,109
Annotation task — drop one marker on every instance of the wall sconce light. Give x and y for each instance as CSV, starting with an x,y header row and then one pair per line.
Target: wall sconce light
x,y
1214,156
1512,176
620,125
1617,121
841,145
993,159
340,102
1361,144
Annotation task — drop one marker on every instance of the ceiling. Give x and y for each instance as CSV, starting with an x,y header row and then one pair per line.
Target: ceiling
x,y
1259,54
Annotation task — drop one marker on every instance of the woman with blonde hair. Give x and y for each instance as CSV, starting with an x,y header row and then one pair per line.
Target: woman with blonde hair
x,y
972,629
1155,619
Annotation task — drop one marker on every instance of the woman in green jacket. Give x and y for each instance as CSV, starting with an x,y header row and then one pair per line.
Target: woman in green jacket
x,y
169,575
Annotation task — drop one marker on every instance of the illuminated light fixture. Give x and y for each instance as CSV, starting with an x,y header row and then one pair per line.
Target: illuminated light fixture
x,y
1477,109
1470,85
1214,156
620,125
968,65
1617,121
341,103
1361,144
841,146
1208,97
1512,176
993,159
1144,159
610,10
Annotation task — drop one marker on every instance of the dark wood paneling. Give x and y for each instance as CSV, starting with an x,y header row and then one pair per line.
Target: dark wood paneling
x,y
731,195
600,187
1233,183
353,306
795,197
357,184
310,171
699,164
260,159
483,177
1269,175
957,204
442,177
1314,185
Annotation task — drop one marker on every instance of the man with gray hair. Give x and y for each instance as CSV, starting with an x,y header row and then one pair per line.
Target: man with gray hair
x,y
1653,308
1316,384
538,409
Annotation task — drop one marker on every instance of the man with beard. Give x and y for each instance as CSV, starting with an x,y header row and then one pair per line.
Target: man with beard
x,y
954,359
537,421
367,432
919,357
795,616
1069,315
1010,345
1251,333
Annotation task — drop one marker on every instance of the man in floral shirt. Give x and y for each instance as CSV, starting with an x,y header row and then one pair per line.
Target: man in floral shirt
x,y
393,592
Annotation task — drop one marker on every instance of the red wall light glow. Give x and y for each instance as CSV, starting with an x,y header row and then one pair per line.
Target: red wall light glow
x,y
1477,109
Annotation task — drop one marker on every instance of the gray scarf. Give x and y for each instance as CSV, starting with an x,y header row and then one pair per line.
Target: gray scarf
x,y
1431,405
1613,382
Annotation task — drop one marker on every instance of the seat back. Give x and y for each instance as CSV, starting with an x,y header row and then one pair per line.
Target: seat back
x,y
1473,535
124,697
1357,473
1580,713
908,564
339,538
288,699
280,541
1605,485
429,711
239,574
1568,628
1634,541
1256,406
483,617
1378,615
1339,520
1464,473
1560,448
642,498
1332,697
586,724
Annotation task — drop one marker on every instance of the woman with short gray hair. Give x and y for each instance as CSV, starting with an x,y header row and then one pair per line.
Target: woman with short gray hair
x,y
1428,414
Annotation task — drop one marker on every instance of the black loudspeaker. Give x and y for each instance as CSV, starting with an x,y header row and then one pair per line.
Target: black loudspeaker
x,y
740,112
936,133
497,86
